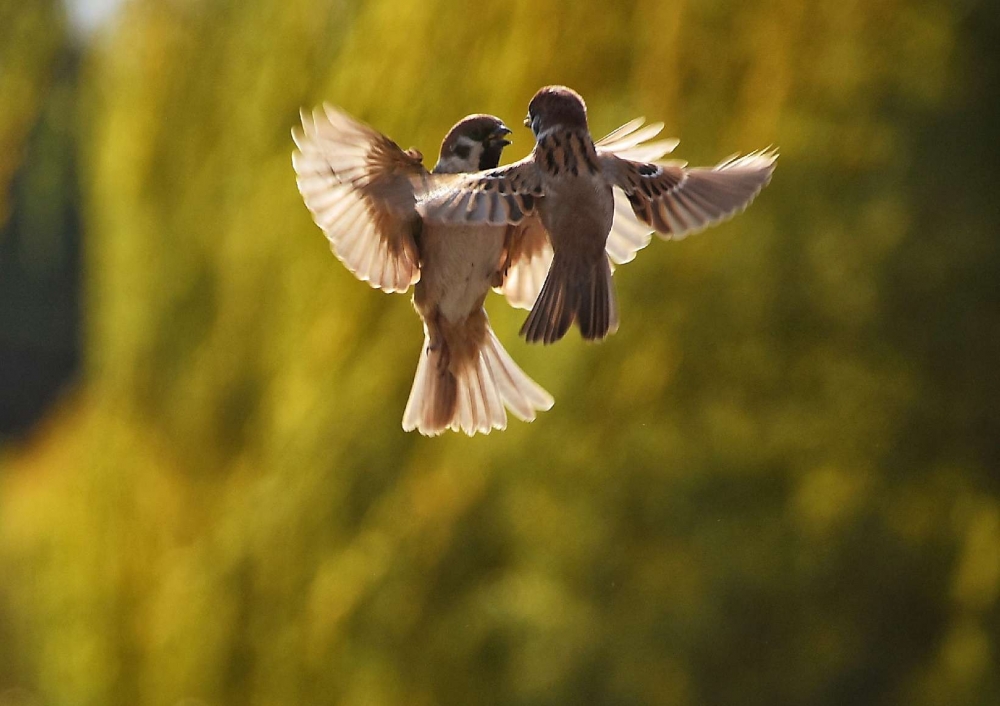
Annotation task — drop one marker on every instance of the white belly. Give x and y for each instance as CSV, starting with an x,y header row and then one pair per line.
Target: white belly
x,y
458,266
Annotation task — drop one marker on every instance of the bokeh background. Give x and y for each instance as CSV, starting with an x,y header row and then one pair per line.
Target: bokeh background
x,y
776,484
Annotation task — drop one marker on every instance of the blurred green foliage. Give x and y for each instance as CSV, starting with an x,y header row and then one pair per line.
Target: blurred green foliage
x,y
777,484
39,212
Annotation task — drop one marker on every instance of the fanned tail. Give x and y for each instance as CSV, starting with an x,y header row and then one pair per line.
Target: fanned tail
x,y
466,387
434,395
570,294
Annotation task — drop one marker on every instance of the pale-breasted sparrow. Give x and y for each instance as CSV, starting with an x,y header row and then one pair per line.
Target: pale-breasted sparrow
x,y
362,190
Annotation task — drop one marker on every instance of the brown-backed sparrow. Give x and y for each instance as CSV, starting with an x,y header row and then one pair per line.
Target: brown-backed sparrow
x,y
567,183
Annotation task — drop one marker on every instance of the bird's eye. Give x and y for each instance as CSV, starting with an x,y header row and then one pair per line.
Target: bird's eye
x,y
462,151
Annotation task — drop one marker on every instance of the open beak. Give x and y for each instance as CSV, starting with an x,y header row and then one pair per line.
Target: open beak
x,y
499,136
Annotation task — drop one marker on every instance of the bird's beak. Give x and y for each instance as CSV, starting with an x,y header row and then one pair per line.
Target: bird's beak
x,y
499,136
527,120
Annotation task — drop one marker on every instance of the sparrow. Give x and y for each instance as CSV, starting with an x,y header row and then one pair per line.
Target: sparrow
x,y
568,184
363,191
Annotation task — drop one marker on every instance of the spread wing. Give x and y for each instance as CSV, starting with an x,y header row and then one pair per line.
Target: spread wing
x,y
631,141
362,191
497,197
528,251
527,256
677,201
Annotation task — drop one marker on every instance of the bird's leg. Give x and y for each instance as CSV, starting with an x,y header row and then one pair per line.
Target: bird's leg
x,y
436,341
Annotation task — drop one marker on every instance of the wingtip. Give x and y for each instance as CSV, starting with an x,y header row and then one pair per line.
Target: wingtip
x,y
297,137
770,152
308,121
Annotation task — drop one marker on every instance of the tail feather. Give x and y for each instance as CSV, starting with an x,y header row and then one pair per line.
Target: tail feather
x,y
571,294
522,395
434,396
470,394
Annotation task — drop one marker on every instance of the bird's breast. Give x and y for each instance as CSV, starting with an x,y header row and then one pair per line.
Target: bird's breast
x,y
458,265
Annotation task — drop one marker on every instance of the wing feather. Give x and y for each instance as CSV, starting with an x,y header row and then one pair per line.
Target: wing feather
x,y
527,257
631,141
361,189
497,197
677,201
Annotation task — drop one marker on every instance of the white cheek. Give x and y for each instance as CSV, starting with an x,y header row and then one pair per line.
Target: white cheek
x,y
452,165
474,156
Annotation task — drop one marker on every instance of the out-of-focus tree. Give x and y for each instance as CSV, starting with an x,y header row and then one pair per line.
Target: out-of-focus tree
x,y
772,486
30,40
39,234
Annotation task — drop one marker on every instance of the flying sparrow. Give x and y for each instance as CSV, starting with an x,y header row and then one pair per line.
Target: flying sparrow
x,y
568,183
362,190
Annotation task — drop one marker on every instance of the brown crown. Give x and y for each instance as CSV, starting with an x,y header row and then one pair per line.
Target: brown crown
x,y
558,105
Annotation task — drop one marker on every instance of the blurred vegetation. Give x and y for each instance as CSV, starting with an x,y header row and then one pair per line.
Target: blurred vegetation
x,y
777,484
39,212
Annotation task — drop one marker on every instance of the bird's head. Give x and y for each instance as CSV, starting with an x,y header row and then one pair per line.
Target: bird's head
x,y
556,106
474,144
